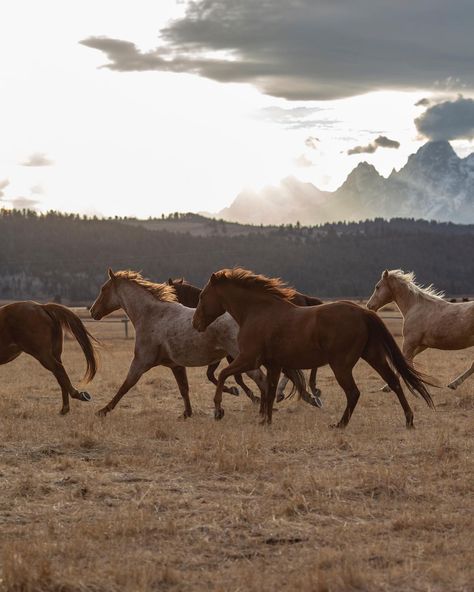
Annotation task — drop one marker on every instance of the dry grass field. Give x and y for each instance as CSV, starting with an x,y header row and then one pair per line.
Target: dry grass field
x,y
143,500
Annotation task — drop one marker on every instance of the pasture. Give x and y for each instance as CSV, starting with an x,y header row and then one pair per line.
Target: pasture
x,y
144,500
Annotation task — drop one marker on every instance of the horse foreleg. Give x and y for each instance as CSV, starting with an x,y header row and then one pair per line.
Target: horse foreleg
x,y
181,377
136,370
260,380
273,375
211,377
280,395
460,379
239,365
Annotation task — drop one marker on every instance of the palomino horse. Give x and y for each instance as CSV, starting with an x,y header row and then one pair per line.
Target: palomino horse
x,y
275,333
164,333
37,329
429,320
189,296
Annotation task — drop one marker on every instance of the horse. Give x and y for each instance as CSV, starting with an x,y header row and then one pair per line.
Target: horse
x,y
276,333
189,296
429,321
164,335
37,330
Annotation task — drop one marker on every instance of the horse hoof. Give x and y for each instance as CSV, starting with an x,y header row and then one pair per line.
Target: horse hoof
x,y
453,386
386,389
255,400
102,412
83,396
64,411
233,390
186,414
218,413
316,402
280,398
316,393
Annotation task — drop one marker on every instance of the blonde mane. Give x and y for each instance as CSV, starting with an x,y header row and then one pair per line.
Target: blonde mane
x,y
162,292
243,277
408,278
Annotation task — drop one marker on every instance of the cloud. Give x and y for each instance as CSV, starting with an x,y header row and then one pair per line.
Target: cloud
x,y
449,120
3,185
311,50
379,142
23,203
311,142
37,190
37,159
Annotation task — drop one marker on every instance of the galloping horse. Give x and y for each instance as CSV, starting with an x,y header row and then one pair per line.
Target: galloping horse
x,y
37,330
189,296
429,320
164,333
275,333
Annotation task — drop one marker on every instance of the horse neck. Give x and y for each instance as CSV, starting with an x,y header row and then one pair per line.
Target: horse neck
x,y
404,297
135,301
241,303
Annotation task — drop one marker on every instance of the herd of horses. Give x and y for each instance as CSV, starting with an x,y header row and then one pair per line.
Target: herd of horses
x,y
264,329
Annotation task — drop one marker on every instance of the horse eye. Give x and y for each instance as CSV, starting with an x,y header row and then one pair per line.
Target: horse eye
x,y
377,287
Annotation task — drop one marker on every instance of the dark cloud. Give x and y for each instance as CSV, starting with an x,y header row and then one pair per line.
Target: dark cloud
x,y
3,184
384,142
37,159
449,120
422,103
312,49
379,142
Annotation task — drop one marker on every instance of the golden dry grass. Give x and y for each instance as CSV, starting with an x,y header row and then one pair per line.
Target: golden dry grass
x,y
145,501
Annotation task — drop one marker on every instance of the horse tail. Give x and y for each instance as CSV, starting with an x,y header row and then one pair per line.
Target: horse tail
x,y
298,382
69,321
380,335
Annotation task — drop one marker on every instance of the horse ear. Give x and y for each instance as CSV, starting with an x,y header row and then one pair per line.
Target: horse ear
x,y
111,274
385,274
213,279
180,281
170,281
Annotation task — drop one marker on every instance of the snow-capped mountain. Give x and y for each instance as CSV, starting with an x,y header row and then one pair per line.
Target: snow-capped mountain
x,y
434,184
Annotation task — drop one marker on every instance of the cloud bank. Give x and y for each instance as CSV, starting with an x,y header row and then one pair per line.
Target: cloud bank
x,y
311,49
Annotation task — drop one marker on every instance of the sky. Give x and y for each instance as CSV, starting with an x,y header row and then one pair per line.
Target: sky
x,y
138,108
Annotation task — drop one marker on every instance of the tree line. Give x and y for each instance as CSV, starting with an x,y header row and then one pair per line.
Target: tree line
x,y
65,257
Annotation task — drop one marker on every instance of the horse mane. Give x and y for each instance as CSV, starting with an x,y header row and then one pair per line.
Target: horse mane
x,y
162,292
408,278
248,279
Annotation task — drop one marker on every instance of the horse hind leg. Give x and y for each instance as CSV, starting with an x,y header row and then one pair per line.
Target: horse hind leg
x,y
382,367
461,378
55,366
346,382
182,379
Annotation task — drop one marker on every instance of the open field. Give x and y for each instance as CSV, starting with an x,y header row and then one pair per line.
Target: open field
x,y
144,501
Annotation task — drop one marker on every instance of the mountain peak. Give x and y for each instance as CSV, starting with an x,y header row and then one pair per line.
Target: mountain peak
x,y
435,150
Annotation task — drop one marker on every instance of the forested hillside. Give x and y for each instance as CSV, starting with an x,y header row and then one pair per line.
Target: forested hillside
x,y
66,257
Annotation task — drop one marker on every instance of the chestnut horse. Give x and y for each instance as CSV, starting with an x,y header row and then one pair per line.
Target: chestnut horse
x,y
37,330
164,334
275,333
189,296
428,320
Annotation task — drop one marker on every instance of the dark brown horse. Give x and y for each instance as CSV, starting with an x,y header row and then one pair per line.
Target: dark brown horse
x,y
188,295
275,333
37,329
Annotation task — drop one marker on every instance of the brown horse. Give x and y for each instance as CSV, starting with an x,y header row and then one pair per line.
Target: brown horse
x,y
188,295
37,329
275,333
